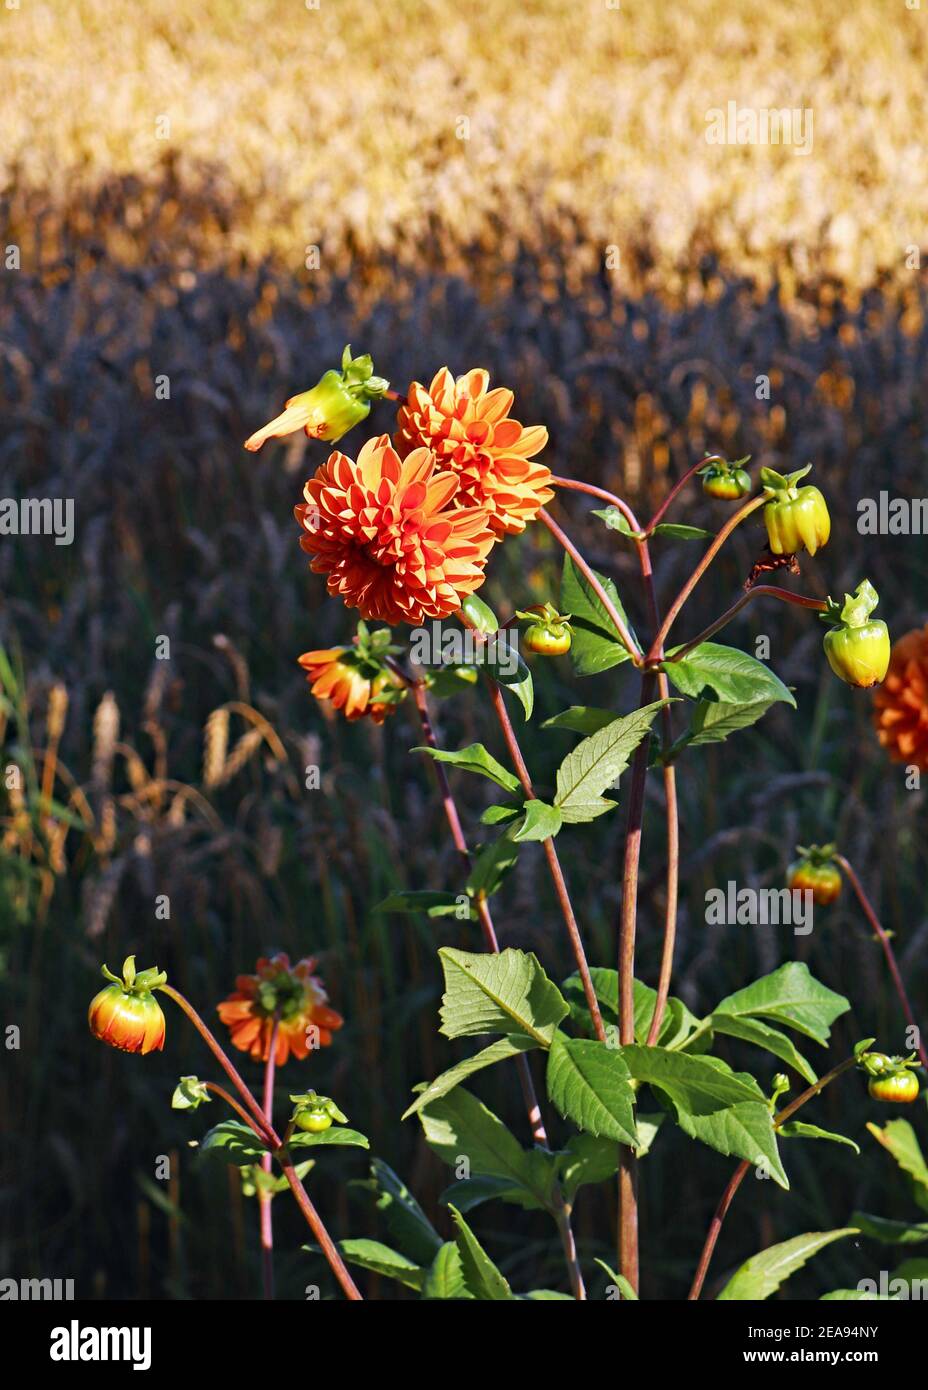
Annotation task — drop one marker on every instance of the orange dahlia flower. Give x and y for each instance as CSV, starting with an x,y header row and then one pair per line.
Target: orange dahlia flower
x,y
292,994
346,685
470,430
384,533
900,705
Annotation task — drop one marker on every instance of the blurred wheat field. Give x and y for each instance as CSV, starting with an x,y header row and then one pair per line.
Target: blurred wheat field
x,y
340,126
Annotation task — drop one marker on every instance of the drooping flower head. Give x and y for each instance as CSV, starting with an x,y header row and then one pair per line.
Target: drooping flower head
x,y
277,990
388,536
126,1014
900,706
470,430
338,401
357,679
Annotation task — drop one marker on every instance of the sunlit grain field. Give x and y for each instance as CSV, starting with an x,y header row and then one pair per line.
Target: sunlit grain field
x,y
364,128
527,187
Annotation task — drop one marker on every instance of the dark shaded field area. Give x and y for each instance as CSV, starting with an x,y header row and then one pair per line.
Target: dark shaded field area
x,y
181,534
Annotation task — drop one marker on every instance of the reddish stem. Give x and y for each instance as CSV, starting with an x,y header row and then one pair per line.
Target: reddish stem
x,y
738,1175
595,584
264,1198
762,590
554,863
242,1114
669,772
677,488
529,1095
329,1249
705,561
888,952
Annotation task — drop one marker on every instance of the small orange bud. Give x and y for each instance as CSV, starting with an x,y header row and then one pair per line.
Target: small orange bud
x,y
125,1014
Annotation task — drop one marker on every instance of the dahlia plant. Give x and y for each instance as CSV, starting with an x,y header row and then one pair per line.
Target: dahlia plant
x,y
403,530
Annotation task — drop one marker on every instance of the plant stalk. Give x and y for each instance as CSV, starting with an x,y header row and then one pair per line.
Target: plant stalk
x,y
328,1246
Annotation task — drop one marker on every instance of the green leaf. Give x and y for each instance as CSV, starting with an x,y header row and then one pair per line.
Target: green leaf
x,y
494,815
726,1110
380,1259
480,614
890,1232
233,1141
255,1179
798,1129
736,678
458,1126
444,682
468,1193
507,667
682,533
540,822
751,1030
791,996
189,1094
615,520
445,1278
581,719
432,903
762,1274
337,1137
714,720
648,1126
853,1296
547,1296
406,1222
491,866
481,1277
504,993
496,1052
589,1084
619,1281
597,762
678,1022
596,642
898,1138
474,758
585,1160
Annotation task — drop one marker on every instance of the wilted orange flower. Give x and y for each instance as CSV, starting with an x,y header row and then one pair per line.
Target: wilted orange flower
x,y
346,685
385,534
900,705
470,430
294,995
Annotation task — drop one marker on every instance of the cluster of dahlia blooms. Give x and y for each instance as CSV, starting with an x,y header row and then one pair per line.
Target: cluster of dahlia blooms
x,y
403,532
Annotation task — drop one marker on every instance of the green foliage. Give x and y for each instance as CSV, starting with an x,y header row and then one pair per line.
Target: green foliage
x,y
597,762
762,1274
505,993
734,676
725,1109
474,758
509,1046
596,642
791,996
589,1084
406,1222
458,1126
